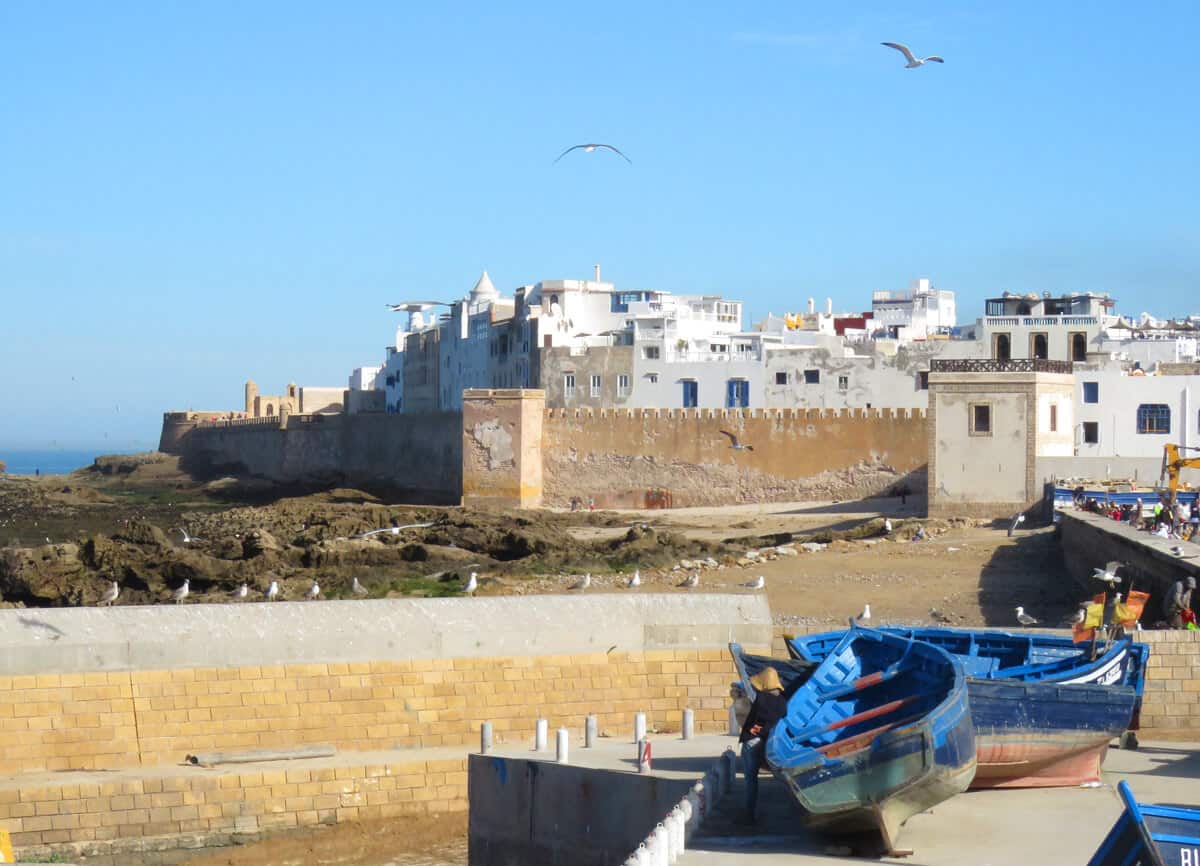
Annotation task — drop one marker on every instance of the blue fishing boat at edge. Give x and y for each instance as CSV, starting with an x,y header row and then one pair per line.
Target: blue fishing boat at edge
x,y
1150,835
878,731
1045,709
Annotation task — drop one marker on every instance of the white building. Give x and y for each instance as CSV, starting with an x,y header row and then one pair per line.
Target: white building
x,y
1044,327
1130,414
916,314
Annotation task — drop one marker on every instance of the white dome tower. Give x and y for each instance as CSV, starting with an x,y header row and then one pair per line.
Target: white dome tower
x,y
484,291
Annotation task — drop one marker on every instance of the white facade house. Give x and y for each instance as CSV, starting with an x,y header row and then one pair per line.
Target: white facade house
x,y
1124,414
1044,327
916,314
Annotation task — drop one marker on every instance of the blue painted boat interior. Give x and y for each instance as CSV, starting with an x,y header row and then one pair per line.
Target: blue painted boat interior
x,y
1066,496
1149,834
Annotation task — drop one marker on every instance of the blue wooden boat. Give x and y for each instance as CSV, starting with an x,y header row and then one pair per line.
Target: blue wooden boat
x,y
1044,708
878,731
1147,835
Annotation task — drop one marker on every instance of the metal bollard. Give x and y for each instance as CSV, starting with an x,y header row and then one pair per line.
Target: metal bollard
x,y
485,737
639,727
660,846
689,723
562,743
589,732
675,824
642,855
643,756
539,737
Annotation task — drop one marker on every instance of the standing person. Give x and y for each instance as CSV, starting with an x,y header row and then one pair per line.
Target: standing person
x,y
768,708
1195,517
1178,600
1135,518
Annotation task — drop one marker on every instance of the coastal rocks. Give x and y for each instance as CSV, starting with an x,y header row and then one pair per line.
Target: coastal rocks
x,y
812,547
259,542
48,575
142,532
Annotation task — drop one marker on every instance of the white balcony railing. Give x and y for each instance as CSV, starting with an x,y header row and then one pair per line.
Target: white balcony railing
x,y
1039,321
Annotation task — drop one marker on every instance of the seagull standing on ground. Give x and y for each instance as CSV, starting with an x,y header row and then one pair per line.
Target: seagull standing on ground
x,y
736,443
273,591
585,583
242,591
913,61
357,588
887,525
691,581
180,594
314,591
865,616
589,148
472,584
757,583
1023,618
110,594
636,580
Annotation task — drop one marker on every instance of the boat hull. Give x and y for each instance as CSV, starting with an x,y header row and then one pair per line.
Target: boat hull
x,y
1031,735
1150,835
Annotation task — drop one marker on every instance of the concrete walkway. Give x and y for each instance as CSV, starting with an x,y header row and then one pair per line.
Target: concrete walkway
x,y
1060,826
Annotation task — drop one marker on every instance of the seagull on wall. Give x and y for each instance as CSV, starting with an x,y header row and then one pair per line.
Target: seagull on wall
x,y
472,584
757,583
913,61
583,584
636,580
242,591
314,591
180,594
273,591
590,148
357,588
1023,618
736,443
691,581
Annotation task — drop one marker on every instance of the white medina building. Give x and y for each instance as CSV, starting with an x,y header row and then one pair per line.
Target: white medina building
x,y
1044,327
1133,413
916,314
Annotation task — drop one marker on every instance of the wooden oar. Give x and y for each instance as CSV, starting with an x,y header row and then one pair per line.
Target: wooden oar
x,y
873,713
860,741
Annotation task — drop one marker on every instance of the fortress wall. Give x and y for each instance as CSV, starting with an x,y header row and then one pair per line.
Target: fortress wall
x,y
414,455
97,689
618,456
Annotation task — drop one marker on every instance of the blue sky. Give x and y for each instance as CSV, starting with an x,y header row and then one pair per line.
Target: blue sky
x,y
194,194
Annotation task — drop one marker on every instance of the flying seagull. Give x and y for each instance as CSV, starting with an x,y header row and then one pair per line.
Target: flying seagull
x,y
273,591
757,583
636,580
472,584
357,588
589,148
736,443
1108,574
110,594
313,591
691,581
913,62
180,594
187,539
393,530
585,583
242,591
1023,618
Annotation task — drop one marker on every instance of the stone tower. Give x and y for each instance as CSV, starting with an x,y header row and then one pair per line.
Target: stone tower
x,y
251,394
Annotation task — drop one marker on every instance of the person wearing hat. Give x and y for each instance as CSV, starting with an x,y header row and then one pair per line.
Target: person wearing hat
x,y
1179,600
768,708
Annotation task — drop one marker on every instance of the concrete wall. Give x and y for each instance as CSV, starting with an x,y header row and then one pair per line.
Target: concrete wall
x,y
91,688
1144,471
415,456
526,812
617,456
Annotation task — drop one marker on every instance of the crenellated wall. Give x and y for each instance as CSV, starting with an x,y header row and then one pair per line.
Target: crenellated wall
x,y
623,457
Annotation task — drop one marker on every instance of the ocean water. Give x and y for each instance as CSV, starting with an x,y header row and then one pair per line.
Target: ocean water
x,y
50,462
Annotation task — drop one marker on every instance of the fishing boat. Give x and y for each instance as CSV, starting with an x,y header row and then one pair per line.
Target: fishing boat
x,y
1147,835
876,732
1044,709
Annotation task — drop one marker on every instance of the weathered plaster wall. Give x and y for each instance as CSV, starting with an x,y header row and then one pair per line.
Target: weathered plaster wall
x,y
615,457
415,456
501,446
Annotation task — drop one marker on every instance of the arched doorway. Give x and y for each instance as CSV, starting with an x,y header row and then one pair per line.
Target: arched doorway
x,y
1039,347
1001,347
1079,347
270,410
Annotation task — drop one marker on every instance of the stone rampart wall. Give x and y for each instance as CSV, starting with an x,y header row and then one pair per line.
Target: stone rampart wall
x,y
623,457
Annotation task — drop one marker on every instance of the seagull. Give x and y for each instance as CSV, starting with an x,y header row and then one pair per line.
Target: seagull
x,y
1080,616
110,594
357,588
887,525
242,591
636,580
758,583
392,530
913,62
937,616
589,148
1023,618
1176,549
865,616
313,591
691,581
472,584
585,583
187,539
180,594
273,591
1108,574
736,443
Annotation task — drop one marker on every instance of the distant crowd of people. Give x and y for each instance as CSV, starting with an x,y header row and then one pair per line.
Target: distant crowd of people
x,y
1166,521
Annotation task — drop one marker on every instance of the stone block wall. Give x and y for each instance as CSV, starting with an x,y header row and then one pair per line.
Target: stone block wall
x,y
624,457
1171,704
